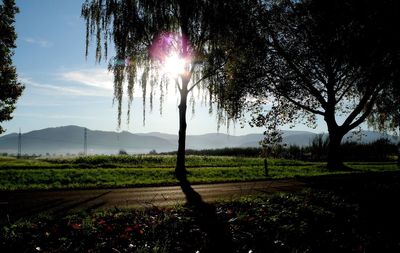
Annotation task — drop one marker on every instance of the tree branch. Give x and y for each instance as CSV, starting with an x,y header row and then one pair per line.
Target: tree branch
x,y
204,77
344,92
315,111
366,113
370,96
313,91
177,84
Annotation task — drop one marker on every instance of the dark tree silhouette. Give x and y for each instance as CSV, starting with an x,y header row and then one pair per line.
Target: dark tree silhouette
x,y
10,88
337,59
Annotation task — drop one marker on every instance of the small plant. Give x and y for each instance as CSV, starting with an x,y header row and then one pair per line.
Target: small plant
x,y
122,152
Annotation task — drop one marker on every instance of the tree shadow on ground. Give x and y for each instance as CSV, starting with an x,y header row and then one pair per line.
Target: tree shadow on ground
x,y
205,215
58,207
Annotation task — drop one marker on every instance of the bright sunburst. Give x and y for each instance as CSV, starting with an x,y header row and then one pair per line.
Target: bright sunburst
x,y
174,66
173,52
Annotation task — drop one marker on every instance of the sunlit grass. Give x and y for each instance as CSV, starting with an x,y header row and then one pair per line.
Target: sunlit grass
x,y
129,171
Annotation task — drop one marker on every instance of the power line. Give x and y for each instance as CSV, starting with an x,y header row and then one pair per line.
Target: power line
x,y
85,142
19,143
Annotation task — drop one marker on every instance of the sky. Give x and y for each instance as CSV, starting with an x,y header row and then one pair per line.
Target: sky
x,y
63,88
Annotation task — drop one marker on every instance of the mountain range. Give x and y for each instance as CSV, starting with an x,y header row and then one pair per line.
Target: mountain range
x,y
70,139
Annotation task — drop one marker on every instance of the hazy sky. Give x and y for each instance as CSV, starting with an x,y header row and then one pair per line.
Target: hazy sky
x,y
62,88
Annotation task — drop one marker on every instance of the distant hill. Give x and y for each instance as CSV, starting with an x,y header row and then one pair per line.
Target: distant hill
x,y
70,139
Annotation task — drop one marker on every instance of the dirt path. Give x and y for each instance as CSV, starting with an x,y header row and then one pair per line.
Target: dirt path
x,y
14,205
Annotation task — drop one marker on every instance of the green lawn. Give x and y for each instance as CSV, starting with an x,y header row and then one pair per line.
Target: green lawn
x,y
140,170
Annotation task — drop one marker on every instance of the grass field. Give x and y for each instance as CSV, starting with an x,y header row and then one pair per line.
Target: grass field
x,y
140,170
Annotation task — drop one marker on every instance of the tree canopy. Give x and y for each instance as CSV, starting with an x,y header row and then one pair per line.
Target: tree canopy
x,y
10,88
337,59
135,27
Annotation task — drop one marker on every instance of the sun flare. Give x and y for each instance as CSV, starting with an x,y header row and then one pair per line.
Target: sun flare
x,y
173,52
174,66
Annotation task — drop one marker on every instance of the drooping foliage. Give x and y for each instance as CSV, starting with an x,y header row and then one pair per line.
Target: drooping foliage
x,y
10,87
386,115
134,26
151,34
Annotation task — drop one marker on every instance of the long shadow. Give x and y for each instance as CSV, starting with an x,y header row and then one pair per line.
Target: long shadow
x,y
12,215
70,207
57,207
218,236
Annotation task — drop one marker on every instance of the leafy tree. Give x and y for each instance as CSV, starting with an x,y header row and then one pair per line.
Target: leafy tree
x,y
149,35
386,114
10,88
337,59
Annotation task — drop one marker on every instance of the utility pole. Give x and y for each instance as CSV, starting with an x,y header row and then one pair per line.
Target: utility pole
x,y
19,143
398,149
85,142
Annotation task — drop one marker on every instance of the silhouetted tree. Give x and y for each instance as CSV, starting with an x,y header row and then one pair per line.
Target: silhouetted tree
x,y
10,88
337,59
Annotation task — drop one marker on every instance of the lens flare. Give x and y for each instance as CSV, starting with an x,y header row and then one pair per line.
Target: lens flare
x,y
173,51
174,65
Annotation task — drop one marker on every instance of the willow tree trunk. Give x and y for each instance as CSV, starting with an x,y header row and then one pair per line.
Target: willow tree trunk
x,y
192,197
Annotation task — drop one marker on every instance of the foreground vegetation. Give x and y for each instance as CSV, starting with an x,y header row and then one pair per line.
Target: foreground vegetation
x,y
141,170
354,214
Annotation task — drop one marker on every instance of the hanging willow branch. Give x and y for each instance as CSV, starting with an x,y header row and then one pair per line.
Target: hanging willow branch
x,y
133,25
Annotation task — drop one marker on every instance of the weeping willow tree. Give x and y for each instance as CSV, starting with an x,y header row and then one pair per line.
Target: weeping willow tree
x,y
162,43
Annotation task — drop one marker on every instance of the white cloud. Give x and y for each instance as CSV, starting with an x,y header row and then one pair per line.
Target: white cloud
x,y
60,90
100,78
39,104
103,80
38,41
52,116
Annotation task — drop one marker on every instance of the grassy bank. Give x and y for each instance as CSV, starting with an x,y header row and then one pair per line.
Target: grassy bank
x,y
128,171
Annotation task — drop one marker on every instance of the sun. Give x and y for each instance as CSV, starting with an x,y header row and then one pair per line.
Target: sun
x,y
173,52
174,66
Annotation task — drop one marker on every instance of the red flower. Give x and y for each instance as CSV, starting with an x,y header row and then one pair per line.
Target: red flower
x,y
76,225
101,222
129,229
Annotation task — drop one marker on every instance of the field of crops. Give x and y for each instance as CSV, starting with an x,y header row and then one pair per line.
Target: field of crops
x,y
141,170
